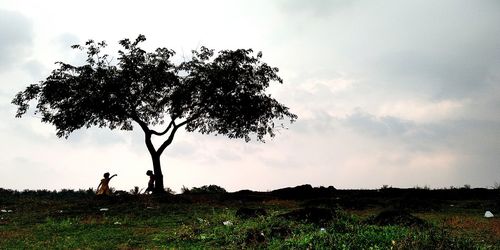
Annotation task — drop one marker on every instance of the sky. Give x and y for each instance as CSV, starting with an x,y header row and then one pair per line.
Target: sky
x,y
397,93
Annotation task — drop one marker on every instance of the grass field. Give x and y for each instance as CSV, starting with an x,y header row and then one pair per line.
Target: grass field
x,y
340,220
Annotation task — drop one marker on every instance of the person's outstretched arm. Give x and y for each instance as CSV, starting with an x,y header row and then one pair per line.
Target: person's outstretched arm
x,y
113,176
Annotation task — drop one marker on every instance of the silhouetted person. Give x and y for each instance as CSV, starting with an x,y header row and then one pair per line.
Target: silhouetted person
x,y
151,183
103,188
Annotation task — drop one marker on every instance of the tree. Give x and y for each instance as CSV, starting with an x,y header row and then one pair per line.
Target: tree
x,y
210,94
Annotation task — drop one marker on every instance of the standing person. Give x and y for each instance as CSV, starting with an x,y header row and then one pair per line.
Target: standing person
x,y
103,188
151,183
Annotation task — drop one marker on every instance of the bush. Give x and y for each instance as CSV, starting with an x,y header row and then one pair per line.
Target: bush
x,y
211,189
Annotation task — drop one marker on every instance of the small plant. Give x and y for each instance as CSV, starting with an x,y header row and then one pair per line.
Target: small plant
x,y
169,190
185,190
90,191
135,191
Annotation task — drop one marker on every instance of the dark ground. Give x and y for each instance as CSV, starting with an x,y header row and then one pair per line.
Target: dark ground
x,y
301,217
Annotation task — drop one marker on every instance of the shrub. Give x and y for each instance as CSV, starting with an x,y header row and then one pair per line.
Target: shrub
x,y
211,189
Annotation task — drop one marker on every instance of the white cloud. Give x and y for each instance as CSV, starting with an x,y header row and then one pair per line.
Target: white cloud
x,y
16,39
421,111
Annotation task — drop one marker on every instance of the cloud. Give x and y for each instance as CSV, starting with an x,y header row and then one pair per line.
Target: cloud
x,y
97,136
34,68
16,39
449,54
377,126
65,41
311,9
401,94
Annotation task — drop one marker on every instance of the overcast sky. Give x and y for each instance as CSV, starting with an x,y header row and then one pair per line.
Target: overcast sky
x,y
398,93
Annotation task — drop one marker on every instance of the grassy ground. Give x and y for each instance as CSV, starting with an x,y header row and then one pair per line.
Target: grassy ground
x,y
74,220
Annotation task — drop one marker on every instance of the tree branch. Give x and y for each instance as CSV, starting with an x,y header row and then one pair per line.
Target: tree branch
x,y
170,138
147,135
168,141
143,125
172,123
186,122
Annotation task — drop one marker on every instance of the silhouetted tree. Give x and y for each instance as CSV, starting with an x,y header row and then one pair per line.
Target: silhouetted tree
x,y
221,94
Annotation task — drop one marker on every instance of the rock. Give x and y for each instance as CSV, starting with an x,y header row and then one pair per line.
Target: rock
x,y
246,213
488,214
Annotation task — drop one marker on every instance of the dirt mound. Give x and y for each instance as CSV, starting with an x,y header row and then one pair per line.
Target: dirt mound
x,y
303,192
255,236
396,217
311,214
246,213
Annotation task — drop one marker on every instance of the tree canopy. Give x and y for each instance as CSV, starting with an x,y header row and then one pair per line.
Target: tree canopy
x,y
223,94
220,93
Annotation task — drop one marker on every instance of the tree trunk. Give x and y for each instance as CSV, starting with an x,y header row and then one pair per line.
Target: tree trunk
x,y
155,154
159,188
